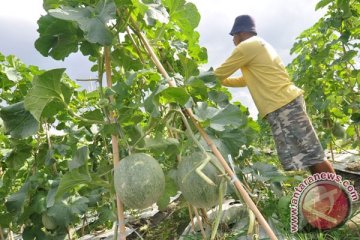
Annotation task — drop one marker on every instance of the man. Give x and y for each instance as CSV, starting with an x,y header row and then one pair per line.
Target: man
x,y
278,100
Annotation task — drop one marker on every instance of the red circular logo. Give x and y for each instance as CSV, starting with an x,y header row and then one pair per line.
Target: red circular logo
x,y
325,205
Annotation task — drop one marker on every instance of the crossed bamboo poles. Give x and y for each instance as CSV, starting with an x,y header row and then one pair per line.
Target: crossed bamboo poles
x,y
238,185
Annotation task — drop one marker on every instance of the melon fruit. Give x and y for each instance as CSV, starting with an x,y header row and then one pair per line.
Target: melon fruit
x,y
139,180
48,222
338,131
194,188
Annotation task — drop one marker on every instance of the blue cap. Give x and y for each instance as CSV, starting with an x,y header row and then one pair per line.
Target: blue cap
x,y
243,23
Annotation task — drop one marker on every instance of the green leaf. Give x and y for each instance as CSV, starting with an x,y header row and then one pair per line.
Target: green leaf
x,y
156,12
57,39
230,116
15,202
5,82
6,219
135,133
220,145
349,55
93,22
50,198
79,206
179,12
80,158
94,196
91,49
38,202
160,145
18,121
198,90
106,214
208,78
344,5
71,180
61,213
52,108
94,115
233,138
355,117
46,88
127,58
67,92
170,191
203,112
12,74
174,95
189,67
322,4
33,232
219,97
151,103
19,154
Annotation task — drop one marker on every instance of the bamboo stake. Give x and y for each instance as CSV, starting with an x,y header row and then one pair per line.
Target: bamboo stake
x,y
199,222
206,137
115,147
191,218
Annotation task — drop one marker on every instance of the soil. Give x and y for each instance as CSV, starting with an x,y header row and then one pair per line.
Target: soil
x,y
167,224
353,178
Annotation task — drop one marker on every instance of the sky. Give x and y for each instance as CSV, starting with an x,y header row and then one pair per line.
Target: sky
x,y
279,22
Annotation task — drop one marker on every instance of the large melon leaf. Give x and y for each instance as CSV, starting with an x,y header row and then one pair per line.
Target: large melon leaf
x,y
18,121
92,21
46,88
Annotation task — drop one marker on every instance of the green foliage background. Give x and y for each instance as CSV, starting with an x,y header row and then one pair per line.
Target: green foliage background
x,y
56,157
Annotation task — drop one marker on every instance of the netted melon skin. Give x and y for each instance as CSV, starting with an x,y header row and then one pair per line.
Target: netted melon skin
x,y
139,180
194,188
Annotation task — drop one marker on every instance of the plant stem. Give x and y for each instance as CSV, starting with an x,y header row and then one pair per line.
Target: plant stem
x,y
219,214
136,46
1,234
190,132
251,222
332,151
68,232
115,147
357,132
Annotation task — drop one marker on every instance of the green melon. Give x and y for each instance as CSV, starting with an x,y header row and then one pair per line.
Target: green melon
x,y
48,222
338,131
139,180
194,188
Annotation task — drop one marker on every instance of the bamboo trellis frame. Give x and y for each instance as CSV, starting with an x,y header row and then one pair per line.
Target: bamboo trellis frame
x,y
206,137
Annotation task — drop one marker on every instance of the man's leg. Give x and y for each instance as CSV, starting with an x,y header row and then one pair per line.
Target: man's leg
x,y
324,166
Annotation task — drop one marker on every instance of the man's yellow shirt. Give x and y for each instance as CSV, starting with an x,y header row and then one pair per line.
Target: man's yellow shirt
x,y
262,72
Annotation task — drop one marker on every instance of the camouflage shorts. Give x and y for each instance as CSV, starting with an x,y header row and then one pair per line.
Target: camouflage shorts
x,y
297,144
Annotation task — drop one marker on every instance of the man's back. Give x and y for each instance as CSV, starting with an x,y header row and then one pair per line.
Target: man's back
x,y
263,72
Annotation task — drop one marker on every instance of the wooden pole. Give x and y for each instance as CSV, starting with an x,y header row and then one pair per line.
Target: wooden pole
x,y
199,222
214,149
115,147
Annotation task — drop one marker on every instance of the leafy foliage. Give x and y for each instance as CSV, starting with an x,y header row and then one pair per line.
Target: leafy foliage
x,y
18,121
326,66
56,161
57,158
